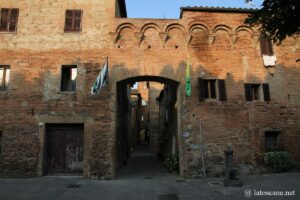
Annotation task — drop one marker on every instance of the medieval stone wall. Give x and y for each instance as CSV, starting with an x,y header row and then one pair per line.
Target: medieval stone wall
x,y
36,53
217,46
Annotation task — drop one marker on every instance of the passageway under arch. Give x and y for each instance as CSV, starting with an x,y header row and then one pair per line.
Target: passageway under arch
x,y
147,126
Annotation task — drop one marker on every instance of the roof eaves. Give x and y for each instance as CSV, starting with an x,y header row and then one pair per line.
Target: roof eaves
x,y
217,9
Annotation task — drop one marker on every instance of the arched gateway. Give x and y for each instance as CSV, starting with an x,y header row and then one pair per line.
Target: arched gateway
x,y
148,116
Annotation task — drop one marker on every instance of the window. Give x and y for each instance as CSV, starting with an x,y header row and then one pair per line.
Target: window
x,y
4,77
271,140
212,89
9,19
68,77
254,91
73,21
266,47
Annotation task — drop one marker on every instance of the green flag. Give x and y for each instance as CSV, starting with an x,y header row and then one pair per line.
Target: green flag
x,y
188,88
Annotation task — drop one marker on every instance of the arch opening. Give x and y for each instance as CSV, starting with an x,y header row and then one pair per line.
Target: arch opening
x,y
146,126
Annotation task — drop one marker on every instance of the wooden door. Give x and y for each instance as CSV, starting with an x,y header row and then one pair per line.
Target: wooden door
x,y
64,149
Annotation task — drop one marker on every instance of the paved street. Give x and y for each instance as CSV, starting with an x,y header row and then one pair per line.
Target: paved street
x,y
144,179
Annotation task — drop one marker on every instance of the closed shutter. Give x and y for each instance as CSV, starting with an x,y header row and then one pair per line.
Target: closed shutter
x,y
266,92
222,90
4,19
77,20
212,89
2,78
201,89
69,21
205,88
248,94
13,20
266,47
73,21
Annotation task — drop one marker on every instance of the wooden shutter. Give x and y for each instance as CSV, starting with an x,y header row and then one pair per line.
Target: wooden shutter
x,y
266,92
266,47
205,88
77,20
69,21
201,89
212,89
222,90
2,78
13,20
73,20
4,19
248,93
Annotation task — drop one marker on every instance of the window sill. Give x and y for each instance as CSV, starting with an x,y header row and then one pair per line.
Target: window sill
x,y
211,100
258,102
72,32
8,32
68,93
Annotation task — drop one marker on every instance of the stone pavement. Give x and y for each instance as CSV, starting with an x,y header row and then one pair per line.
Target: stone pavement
x,y
167,188
144,179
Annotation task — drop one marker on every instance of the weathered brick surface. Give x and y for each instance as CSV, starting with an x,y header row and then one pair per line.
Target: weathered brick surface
x,y
218,44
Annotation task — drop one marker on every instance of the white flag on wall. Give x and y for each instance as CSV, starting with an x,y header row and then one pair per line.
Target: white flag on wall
x,y
101,79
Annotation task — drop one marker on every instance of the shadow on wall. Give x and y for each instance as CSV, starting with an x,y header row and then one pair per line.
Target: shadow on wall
x,y
239,123
233,122
35,96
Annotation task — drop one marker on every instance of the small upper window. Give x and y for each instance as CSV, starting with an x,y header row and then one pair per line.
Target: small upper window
x,y
254,91
73,21
266,47
4,77
9,19
68,78
212,89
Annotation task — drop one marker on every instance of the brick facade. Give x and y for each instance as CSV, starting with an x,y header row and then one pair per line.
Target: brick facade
x,y
218,45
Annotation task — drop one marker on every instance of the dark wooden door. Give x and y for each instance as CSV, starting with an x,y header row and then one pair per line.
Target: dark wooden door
x,y
64,149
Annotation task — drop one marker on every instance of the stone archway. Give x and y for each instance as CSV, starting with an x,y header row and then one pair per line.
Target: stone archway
x,y
117,83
